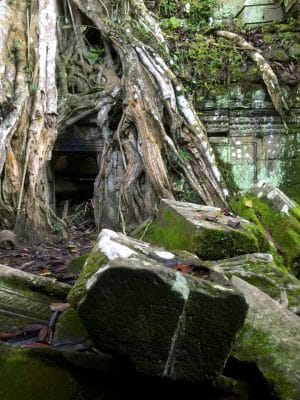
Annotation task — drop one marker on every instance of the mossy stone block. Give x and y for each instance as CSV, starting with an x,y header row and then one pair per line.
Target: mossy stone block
x,y
270,338
165,323
204,231
69,330
261,271
94,261
294,51
29,374
281,227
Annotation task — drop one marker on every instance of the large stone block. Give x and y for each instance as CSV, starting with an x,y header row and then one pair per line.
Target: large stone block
x,y
205,231
26,298
135,303
270,339
166,324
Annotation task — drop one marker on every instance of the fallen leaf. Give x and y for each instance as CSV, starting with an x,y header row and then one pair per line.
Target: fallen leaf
x,y
248,203
26,264
45,273
60,307
184,268
43,336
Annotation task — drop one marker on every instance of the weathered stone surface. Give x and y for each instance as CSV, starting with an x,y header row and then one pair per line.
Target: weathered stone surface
x,y
70,332
45,373
274,196
163,322
25,298
270,338
30,374
260,270
205,231
277,216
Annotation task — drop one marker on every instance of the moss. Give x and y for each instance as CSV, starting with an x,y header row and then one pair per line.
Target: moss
x,y
20,307
262,272
69,329
26,375
175,232
256,346
94,261
283,229
77,264
216,244
31,283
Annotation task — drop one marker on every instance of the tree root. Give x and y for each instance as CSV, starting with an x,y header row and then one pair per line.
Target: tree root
x,y
268,75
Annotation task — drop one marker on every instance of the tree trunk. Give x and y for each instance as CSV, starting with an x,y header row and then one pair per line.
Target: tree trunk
x,y
157,139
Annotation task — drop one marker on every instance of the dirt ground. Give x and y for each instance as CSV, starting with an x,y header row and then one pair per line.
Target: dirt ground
x,y
52,256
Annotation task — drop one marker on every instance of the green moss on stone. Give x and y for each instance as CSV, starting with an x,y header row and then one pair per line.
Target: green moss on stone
x,y
27,376
262,272
255,346
284,229
69,329
175,232
77,264
94,261
216,244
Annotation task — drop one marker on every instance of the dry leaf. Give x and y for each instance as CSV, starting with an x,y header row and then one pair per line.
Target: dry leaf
x,y
60,307
45,273
248,203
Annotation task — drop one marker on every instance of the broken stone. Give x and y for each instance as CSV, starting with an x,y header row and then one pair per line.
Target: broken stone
x,y
260,270
270,339
190,227
8,239
277,217
274,196
26,298
165,323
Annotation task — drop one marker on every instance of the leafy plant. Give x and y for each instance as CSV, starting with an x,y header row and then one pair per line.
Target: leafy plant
x,y
94,55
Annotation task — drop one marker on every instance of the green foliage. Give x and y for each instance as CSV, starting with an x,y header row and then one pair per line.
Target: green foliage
x,y
58,229
184,155
196,12
202,62
172,23
94,55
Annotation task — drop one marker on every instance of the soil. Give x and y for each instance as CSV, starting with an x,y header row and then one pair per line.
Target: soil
x,y
51,256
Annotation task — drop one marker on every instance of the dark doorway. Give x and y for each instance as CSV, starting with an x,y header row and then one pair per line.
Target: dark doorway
x,y
73,176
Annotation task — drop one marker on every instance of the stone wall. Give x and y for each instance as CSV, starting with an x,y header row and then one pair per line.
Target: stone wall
x,y
249,136
256,12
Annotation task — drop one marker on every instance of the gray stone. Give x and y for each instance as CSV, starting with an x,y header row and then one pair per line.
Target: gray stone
x,y
165,323
270,338
261,271
205,231
70,332
26,298
274,196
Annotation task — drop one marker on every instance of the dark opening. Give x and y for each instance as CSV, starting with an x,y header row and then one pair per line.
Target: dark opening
x,y
74,175
216,133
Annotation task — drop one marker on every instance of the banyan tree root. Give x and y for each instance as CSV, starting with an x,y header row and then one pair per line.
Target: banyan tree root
x,y
268,75
159,129
152,135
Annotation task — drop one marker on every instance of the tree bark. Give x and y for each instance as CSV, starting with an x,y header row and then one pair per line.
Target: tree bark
x,y
159,137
